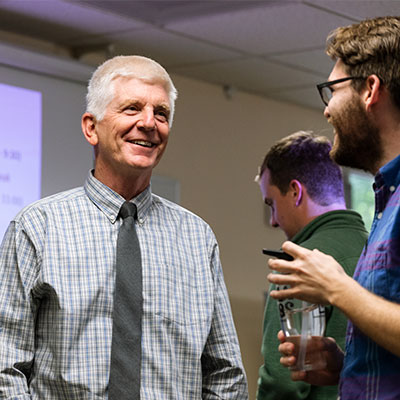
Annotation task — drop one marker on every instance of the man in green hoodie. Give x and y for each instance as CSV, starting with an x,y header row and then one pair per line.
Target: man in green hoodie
x,y
304,189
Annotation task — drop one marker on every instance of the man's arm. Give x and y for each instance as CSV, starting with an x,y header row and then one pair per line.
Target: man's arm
x,y
17,265
223,372
318,278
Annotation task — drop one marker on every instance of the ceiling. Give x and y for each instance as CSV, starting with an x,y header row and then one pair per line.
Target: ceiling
x,y
265,47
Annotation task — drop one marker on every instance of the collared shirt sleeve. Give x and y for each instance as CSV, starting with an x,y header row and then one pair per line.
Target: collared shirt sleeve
x,y
223,373
18,263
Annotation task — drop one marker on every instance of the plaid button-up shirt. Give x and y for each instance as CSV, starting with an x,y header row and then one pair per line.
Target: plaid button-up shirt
x,y
57,268
371,372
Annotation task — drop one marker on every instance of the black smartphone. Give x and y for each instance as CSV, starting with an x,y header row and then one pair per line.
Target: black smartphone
x,y
278,254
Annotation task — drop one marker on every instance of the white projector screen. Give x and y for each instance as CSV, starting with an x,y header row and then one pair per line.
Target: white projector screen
x,y
42,149
20,150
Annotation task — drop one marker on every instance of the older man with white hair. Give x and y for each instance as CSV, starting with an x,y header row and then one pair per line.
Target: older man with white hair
x,y
107,290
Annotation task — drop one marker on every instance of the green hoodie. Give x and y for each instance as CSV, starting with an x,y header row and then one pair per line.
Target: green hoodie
x,y
342,235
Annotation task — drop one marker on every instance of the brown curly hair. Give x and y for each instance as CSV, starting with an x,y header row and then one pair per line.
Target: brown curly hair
x,y
370,47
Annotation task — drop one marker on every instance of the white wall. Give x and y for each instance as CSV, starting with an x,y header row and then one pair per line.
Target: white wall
x,y
215,148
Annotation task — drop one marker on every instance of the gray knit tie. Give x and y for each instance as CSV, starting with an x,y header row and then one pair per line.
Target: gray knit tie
x,y
126,349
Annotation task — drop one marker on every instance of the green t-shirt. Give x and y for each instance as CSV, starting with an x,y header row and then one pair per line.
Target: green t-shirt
x,y
342,235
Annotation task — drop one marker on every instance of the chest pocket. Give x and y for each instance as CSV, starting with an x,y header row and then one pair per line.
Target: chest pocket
x,y
178,296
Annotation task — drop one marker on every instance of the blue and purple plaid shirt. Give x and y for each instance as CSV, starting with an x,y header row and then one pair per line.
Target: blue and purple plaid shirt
x,y
371,372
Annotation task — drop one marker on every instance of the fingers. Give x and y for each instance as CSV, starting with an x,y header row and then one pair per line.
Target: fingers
x,y
327,376
282,278
298,375
287,350
287,286
284,294
293,249
281,336
288,359
279,264
284,266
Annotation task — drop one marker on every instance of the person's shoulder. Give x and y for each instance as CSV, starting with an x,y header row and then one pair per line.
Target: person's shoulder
x,y
342,219
343,241
177,211
168,205
49,203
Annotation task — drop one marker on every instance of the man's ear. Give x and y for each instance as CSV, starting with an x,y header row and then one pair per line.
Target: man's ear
x,y
296,190
89,128
371,93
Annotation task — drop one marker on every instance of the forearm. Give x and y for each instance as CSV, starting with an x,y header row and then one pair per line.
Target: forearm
x,y
318,278
16,358
16,319
13,387
222,367
375,316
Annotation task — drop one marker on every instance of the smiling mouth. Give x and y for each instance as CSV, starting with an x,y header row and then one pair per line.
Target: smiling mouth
x,y
142,143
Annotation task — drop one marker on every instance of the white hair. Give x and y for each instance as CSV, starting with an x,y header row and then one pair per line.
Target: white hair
x,y
101,85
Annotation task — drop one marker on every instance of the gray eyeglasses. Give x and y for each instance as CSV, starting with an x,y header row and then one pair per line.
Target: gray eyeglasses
x,y
325,90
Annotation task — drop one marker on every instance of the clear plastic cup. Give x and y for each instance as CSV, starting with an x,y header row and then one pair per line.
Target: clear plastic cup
x,y
304,325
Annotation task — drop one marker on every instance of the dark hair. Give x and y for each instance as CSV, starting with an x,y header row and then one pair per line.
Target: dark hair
x,y
370,47
305,157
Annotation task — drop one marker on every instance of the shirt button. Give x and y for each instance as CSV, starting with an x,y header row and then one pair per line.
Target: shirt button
x,y
379,216
392,188
140,221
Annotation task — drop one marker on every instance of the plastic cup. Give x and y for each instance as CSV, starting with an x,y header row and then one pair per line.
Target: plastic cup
x,y
304,325
314,358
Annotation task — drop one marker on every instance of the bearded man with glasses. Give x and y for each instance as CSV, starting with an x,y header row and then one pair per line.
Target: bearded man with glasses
x,y
362,99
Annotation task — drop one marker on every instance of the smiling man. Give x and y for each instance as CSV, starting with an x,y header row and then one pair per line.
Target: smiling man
x,y
109,291
304,189
362,99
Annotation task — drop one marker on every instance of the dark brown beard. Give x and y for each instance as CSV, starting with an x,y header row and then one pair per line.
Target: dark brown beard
x,y
358,144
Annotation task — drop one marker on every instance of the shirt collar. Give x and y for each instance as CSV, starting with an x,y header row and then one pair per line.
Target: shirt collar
x,y
143,203
109,202
389,174
386,181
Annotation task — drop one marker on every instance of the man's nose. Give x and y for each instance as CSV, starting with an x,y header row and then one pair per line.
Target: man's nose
x,y
326,112
273,222
147,120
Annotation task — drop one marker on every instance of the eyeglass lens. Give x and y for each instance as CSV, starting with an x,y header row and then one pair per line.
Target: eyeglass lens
x,y
325,88
326,94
